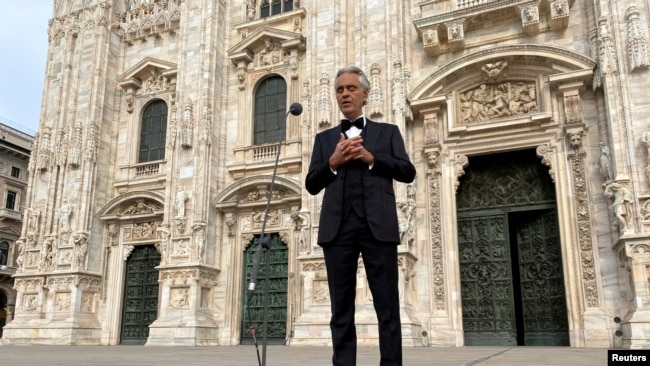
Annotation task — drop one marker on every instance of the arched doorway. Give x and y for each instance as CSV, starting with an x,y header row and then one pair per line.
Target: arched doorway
x,y
275,299
140,305
509,252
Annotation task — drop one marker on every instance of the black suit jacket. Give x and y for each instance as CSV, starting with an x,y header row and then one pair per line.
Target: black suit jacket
x,y
385,143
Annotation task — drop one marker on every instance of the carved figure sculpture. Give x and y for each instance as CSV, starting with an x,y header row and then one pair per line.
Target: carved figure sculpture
x,y
621,204
64,217
604,163
181,197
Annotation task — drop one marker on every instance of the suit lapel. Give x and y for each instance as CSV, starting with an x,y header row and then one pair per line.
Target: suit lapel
x,y
371,134
333,137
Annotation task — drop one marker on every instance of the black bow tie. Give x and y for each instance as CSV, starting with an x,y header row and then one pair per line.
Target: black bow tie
x,y
346,124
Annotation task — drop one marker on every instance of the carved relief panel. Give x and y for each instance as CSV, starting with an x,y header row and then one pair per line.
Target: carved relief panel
x,y
489,101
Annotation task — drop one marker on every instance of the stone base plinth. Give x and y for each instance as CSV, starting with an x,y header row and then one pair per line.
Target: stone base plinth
x,y
52,333
184,331
636,330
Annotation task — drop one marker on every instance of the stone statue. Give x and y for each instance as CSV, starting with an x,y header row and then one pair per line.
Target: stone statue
x,y
162,246
621,204
181,197
33,214
81,245
199,239
64,217
230,222
645,138
604,163
47,254
187,125
250,9
21,253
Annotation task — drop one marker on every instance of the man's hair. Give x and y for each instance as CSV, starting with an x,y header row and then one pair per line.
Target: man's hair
x,y
365,84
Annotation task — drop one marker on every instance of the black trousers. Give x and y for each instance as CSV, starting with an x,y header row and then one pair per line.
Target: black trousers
x,y
380,262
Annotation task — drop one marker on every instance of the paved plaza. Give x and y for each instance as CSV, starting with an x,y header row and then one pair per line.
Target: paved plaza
x,y
293,356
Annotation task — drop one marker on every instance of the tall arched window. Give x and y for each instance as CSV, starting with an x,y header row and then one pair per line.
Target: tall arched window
x,y
274,7
153,132
270,110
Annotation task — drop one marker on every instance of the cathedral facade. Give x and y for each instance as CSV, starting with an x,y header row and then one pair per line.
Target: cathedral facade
x,y
151,179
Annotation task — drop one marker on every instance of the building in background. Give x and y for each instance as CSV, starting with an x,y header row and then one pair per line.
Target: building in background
x,y
15,147
527,121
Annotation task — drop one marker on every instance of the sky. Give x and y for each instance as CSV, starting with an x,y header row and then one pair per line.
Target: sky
x,y
23,51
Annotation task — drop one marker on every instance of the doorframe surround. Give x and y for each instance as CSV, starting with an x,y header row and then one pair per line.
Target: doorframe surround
x,y
448,143
116,250
241,206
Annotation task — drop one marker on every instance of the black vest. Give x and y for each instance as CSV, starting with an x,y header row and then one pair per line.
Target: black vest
x,y
353,188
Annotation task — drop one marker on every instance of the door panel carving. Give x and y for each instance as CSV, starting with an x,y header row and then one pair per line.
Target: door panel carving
x,y
276,298
510,258
540,275
140,307
486,281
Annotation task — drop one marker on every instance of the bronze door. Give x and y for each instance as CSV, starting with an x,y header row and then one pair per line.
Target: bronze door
x,y
140,306
486,281
512,283
275,297
541,282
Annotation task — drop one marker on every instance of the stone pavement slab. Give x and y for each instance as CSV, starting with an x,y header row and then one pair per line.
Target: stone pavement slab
x,y
293,356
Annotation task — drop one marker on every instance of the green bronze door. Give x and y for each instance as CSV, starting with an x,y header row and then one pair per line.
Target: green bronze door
x,y
512,283
276,298
486,281
140,307
543,311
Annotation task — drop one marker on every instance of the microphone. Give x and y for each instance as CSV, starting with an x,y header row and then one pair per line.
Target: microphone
x,y
295,109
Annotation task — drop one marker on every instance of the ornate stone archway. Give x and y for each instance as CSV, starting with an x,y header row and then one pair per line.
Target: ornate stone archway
x,y
505,99
241,210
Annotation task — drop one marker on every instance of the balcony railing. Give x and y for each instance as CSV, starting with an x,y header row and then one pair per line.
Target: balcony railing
x,y
265,152
462,4
259,159
141,174
8,214
147,169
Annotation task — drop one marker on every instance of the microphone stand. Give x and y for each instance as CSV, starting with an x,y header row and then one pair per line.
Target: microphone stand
x,y
263,244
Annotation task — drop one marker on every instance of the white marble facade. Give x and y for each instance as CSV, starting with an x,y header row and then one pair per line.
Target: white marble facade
x,y
566,78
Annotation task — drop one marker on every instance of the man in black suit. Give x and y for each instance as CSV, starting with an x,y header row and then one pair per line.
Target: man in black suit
x,y
356,162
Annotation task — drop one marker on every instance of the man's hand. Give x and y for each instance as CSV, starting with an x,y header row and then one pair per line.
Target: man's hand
x,y
350,149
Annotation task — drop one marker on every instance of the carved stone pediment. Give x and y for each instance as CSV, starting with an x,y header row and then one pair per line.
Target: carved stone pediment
x,y
132,205
9,231
253,192
266,46
148,76
495,90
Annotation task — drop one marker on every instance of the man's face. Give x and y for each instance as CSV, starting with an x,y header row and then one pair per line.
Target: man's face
x,y
350,95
